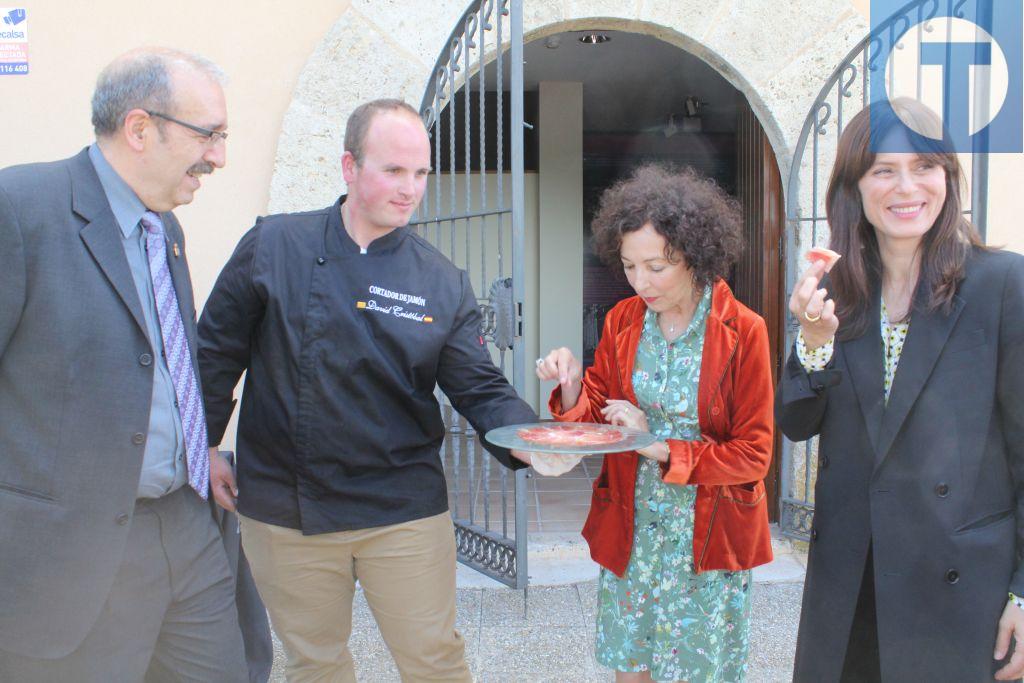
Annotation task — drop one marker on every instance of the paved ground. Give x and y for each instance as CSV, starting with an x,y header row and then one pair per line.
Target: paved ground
x,y
551,636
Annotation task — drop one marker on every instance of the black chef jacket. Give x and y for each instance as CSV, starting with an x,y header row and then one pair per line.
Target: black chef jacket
x,y
339,427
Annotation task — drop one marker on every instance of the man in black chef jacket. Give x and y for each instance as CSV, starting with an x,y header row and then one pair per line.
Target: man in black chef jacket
x,y
345,320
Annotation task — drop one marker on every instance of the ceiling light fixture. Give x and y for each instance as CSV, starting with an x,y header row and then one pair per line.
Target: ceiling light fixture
x,y
594,38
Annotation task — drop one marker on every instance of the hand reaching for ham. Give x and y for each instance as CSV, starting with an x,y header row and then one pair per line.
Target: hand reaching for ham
x,y
560,365
625,414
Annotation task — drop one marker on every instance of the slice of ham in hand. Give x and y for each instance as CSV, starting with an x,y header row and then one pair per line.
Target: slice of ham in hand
x,y
816,254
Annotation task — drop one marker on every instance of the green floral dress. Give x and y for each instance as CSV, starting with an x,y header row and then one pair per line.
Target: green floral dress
x,y
661,617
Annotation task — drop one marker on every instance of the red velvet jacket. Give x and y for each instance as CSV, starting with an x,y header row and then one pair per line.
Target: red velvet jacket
x,y
734,400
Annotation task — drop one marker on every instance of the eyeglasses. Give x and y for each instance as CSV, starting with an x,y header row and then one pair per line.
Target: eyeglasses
x,y
212,136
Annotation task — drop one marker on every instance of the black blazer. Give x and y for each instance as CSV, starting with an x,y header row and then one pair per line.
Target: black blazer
x,y
76,381
933,482
339,427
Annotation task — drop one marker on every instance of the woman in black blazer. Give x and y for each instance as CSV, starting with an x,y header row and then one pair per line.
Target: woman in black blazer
x,y
909,366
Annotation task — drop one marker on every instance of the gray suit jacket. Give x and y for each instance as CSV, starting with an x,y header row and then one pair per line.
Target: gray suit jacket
x,y
76,374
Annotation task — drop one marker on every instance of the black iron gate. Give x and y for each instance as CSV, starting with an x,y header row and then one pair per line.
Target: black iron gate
x,y
473,212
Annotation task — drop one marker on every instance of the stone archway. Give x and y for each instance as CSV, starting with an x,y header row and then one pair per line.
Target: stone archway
x,y
776,54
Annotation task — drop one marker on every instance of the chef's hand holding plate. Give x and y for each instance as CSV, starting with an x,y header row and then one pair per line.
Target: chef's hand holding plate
x,y
554,464
548,464
525,456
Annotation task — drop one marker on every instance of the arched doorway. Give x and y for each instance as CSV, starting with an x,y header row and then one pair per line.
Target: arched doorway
x,y
608,101
516,205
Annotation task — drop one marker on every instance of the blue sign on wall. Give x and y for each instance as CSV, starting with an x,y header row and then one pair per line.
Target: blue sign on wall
x,y
13,42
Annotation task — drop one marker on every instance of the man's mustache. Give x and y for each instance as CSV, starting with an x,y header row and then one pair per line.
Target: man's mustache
x,y
201,168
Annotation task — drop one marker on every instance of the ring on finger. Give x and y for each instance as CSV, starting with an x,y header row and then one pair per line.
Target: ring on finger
x,y
539,362
810,319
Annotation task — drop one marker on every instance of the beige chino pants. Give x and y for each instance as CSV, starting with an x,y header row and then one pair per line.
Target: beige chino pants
x,y
407,572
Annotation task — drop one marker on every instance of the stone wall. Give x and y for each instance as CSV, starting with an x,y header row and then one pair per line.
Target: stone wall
x,y
777,54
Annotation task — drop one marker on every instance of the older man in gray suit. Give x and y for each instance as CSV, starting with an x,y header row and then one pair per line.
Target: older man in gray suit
x,y
111,566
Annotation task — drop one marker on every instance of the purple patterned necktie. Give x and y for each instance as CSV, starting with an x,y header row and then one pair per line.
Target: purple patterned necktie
x,y
179,358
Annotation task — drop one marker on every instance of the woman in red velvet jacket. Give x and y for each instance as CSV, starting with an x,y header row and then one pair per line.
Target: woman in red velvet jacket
x,y
677,526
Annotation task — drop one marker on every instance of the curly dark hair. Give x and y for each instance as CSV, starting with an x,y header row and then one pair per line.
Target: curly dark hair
x,y
695,216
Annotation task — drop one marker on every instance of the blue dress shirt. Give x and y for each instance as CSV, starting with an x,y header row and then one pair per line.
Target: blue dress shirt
x,y
163,462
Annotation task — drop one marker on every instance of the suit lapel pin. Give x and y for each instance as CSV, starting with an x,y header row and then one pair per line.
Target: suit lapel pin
x,y
177,252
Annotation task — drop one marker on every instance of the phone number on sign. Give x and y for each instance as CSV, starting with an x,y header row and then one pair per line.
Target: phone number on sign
x,y
21,68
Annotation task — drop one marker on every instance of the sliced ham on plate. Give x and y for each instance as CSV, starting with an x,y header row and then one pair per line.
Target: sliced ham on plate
x,y
569,435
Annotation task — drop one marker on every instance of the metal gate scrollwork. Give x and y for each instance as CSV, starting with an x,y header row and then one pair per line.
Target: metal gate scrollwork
x,y
499,315
472,212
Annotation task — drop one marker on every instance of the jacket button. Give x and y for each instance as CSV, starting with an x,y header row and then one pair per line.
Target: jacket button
x,y
952,576
714,411
145,359
321,260
138,438
942,490
122,518
824,461
814,534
